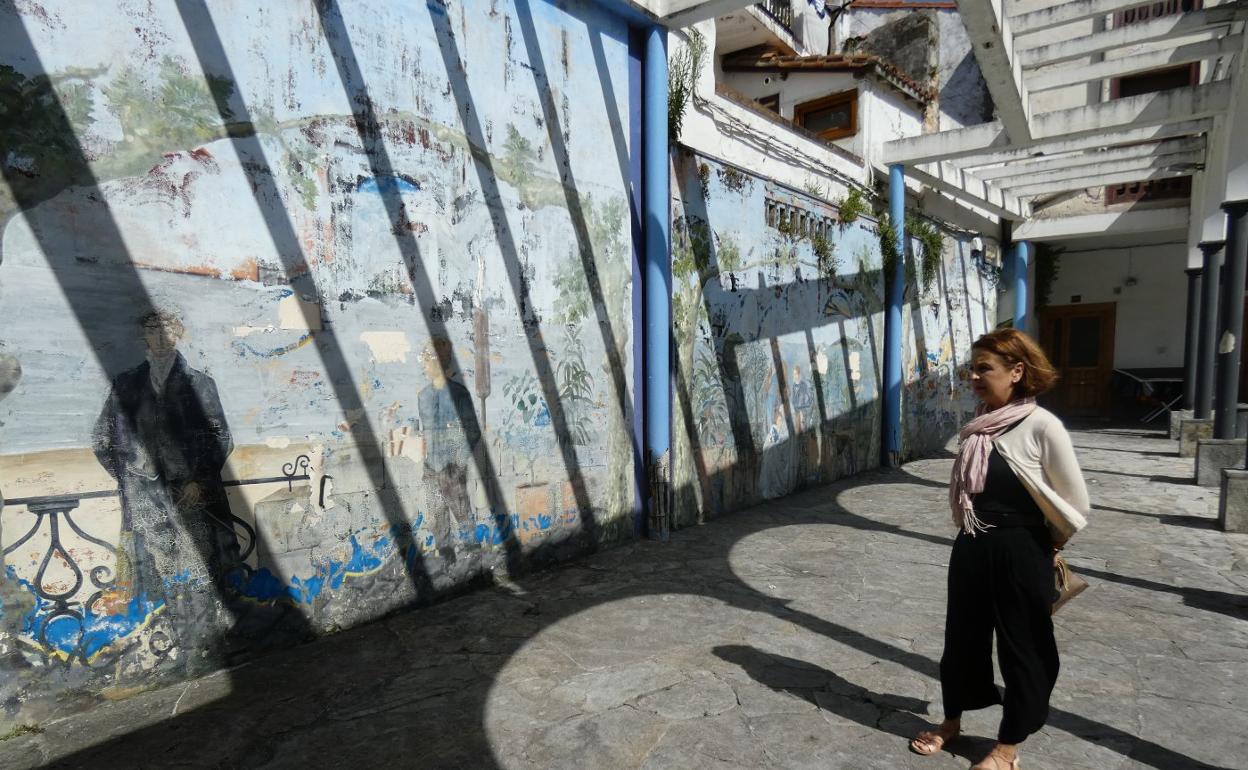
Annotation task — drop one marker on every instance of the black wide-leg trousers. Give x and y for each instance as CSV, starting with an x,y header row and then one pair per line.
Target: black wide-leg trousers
x,y
1001,582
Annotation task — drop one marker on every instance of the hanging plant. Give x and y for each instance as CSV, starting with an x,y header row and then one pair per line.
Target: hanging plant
x,y
1048,265
682,78
853,206
933,248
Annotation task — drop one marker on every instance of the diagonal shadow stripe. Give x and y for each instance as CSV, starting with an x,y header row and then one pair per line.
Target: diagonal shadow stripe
x,y
585,248
206,41
113,353
334,28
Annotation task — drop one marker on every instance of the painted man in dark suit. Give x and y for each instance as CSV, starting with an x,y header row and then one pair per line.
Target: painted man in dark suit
x,y
162,435
448,445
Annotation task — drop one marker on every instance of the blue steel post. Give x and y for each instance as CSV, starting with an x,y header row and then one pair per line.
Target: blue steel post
x,y
1022,257
658,282
895,286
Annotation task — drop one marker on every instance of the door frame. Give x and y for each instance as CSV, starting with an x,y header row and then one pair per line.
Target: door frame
x,y
1108,311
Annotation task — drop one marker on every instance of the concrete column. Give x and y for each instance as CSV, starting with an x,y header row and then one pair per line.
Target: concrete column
x,y
1210,251
1191,337
1022,314
894,288
1230,339
658,279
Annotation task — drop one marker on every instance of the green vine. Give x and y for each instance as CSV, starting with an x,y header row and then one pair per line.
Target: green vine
x,y
853,206
682,78
933,243
888,244
931,246
1048,265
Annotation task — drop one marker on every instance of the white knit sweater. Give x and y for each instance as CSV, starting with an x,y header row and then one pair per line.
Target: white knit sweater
x,y
1041,455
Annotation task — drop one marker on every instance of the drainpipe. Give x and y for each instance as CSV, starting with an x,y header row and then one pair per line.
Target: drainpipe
x,y
1191,337
895,286
1208,328
1230,343
657,285
1022,258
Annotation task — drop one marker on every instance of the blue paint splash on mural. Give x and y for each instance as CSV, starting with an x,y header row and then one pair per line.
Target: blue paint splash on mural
x,y
388,185
68,635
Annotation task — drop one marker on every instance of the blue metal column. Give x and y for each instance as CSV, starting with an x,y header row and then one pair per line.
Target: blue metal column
x,y
894,288
636,55
658,282
1022,257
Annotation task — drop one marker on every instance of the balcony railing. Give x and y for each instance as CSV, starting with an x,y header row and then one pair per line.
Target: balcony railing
x,y
780,11
55,515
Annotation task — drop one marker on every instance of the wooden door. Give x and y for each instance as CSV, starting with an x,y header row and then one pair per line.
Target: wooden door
x,y
1079,340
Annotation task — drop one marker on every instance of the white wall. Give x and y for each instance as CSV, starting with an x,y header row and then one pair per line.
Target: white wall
x,y
1151,314
883,114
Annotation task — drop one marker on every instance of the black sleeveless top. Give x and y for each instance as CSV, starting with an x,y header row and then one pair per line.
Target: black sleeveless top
x,y
1005,502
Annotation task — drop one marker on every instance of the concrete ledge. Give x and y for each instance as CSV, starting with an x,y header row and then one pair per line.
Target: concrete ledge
x,y
1213,455
1191,431
1176,417
1233,504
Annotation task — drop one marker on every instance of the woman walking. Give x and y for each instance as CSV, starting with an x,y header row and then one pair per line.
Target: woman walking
x,y
1017,496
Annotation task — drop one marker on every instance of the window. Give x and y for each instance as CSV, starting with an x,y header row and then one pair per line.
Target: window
x,y
1162,79
771,102
1154,189
832,117
1156,80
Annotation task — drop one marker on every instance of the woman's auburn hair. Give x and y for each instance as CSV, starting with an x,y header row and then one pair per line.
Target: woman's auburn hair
x,y
1015,347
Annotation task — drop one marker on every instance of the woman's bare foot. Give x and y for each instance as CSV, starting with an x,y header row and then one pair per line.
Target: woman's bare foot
x,y
929,742
1004,756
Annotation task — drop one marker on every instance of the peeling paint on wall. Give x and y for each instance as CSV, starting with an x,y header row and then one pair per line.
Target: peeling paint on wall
x,y
295,253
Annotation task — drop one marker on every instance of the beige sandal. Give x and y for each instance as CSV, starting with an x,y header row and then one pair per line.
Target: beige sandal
x,y
994,761
930,742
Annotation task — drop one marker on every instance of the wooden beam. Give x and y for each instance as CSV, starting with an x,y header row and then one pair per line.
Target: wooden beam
x,y
1109,223
1076,160
1098,180
1061,77
1182,160
1093,142
1158,29
993,44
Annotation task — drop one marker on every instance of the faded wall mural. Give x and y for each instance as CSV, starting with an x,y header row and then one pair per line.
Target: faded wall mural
x,y
294,303
778,325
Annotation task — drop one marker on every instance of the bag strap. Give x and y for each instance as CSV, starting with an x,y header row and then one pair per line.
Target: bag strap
x,y
1063,573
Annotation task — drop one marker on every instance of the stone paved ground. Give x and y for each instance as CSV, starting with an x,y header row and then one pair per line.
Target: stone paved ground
x,y
805,633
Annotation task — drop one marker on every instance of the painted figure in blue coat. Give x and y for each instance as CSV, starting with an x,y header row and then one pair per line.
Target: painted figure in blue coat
x,y
449,443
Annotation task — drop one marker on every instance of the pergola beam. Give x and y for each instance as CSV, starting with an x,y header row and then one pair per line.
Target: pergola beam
x,y
1076,160
1093,142
1175,106
683,13
1159,29
1065,13
1182,161
993,43
1097,180
1108,223
956,183
1061,77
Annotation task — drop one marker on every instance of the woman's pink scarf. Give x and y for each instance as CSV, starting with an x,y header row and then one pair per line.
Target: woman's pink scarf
x,y
974,448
